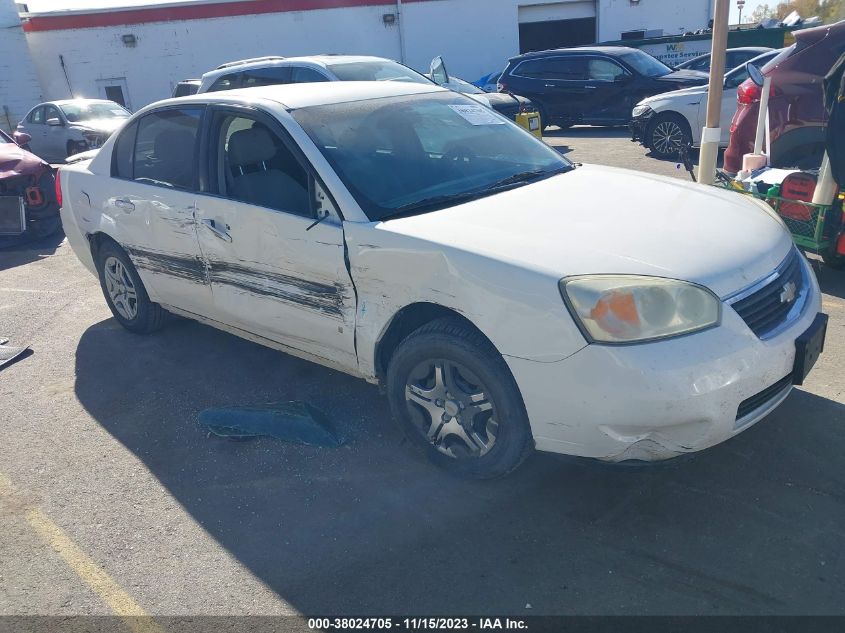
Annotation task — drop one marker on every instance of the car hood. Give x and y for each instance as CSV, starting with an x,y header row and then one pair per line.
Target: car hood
x,y
607,220
106,126
683,93
685,76
15,161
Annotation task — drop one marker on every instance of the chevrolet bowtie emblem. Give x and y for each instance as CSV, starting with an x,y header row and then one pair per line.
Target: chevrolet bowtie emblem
x,y
787,294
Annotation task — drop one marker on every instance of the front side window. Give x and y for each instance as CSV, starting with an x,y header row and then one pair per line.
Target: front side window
x,y
304,75
376,71
417,153
603,70
164,153
252,164
226,82
51,112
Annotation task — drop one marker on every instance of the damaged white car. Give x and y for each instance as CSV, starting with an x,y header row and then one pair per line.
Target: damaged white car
x,y
504,297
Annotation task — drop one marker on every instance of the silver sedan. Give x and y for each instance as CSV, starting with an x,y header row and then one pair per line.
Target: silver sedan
x,y
59,129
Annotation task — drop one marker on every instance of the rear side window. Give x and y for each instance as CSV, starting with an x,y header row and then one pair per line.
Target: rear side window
x,y
266,76
303,75
226,82
36,116
554,68
124,148
165,148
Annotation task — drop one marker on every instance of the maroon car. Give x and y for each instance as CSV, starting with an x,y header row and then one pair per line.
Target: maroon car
x,y
796,108
27,191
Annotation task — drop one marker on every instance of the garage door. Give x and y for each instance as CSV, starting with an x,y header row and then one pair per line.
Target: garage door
x,y
556,25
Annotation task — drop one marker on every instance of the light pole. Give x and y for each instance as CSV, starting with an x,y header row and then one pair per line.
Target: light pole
x,y
740,4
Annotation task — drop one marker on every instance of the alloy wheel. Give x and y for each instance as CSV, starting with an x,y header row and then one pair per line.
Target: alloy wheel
x,y
667,138
121,290
452,409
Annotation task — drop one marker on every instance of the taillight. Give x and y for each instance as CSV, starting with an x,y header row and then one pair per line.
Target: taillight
x,y
59,187
749,92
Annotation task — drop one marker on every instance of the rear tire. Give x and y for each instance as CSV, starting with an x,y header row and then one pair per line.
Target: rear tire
x,y
455,399
125,293
666,134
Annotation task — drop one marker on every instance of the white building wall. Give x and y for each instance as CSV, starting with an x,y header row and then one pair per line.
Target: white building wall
x,y
673,16
19,88
475,37
167,52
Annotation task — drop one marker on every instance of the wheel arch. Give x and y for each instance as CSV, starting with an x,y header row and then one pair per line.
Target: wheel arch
x,y
407,320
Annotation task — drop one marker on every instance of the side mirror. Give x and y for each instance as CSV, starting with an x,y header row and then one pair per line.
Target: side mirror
x,y
755,73
55,121
438,71
22,138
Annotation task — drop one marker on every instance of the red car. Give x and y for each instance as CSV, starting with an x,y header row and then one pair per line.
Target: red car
x,y
796,108
27,191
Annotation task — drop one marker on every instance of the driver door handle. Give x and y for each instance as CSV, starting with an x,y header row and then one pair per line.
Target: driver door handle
x,y
219,232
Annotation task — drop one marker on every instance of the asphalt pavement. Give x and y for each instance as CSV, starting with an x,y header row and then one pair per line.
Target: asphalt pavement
x,y
112,496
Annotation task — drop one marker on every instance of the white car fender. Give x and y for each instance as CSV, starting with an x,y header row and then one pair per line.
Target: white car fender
x,y
520,311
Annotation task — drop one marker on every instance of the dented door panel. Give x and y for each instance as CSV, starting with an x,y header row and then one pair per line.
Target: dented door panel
x,y
278,280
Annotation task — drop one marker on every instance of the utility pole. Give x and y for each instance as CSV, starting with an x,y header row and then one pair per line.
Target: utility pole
x,y
712,133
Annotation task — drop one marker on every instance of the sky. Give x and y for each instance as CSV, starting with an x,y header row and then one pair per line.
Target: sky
x,y
55,5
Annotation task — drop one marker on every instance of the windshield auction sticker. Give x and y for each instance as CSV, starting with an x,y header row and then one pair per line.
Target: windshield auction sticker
x,y
477,114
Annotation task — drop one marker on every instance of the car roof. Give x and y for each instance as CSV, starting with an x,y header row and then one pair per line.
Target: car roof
x,y
301,95
62,102
818,32
318,60
585,50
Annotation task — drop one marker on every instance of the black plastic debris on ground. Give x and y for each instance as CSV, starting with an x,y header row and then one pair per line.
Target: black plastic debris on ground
x,y
9,354
293,421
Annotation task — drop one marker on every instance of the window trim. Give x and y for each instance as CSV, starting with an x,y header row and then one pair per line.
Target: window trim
x,y
549,57
207,158
137,122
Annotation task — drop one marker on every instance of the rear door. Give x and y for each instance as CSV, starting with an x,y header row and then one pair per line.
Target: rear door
x,y
558,84
55,136
274,271
153,182
35,126
607,98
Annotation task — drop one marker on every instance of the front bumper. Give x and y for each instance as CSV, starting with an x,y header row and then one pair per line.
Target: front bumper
x,y
639,124
659,400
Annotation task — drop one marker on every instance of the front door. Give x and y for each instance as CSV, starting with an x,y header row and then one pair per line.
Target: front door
x,y
153,202
564,87
273,271
606,97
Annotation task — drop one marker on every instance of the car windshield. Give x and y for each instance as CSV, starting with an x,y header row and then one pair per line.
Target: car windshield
x,y
413,154
645,64
375,71
75,112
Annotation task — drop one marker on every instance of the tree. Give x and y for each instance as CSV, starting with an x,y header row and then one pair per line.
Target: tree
x,y
827,10
760,13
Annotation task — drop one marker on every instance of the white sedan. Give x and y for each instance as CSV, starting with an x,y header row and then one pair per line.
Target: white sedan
x,y
505,298
670,120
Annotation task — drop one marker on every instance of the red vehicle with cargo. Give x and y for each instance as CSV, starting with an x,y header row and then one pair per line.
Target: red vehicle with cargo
x,y
796,106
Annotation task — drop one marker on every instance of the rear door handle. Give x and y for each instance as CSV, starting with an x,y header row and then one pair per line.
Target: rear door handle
x,y
124,204
211,225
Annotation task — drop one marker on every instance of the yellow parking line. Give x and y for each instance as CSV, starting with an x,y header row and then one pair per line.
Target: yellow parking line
x,y
120,602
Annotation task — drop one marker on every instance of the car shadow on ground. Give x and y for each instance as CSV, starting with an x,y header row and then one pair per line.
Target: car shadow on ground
x,y
20,250
751,526
831,280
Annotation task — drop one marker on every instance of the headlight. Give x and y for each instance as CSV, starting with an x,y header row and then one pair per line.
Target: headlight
x,y
639,110
632,308
93,138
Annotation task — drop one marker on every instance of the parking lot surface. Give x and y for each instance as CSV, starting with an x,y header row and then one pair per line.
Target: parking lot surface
x,y
112,494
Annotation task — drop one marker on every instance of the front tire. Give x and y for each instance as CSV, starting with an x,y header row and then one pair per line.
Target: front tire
x,y
125,293
455,399
667,134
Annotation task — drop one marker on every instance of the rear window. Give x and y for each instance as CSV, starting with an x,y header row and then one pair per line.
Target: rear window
x,y
164,148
